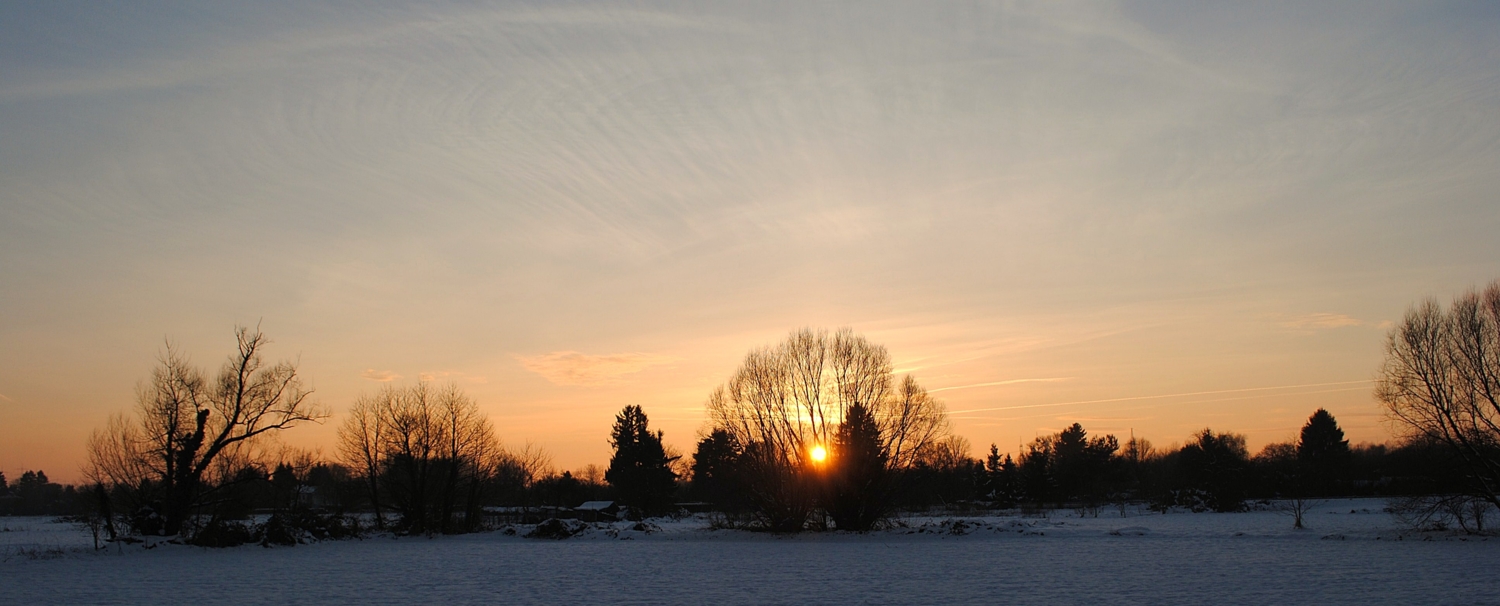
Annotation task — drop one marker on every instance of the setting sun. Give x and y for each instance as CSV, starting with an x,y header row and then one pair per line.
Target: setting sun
x,y
819,454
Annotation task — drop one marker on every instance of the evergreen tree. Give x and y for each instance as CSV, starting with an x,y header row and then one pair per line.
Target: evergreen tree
x,y
715,472
38,495
1322,451
640,470
1000,478
4,487
1070,463
285,487
859,487
992,462
993,466
561,491
1083,465
1217,464
1037,470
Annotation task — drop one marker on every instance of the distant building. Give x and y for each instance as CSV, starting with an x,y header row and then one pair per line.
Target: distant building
x,y
598,511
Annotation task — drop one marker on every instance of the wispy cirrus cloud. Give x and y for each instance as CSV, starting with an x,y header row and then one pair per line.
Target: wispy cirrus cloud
x,y
454,375
574,368
995,383
379,376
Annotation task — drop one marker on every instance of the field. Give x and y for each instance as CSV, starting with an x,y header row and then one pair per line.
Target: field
x,y
1352,553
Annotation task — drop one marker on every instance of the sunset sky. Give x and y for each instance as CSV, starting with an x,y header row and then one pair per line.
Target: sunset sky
x,y
1144,217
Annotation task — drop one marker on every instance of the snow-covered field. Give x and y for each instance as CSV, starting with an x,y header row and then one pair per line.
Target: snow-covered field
x,y
1352,553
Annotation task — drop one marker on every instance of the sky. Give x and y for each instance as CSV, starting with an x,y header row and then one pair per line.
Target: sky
x,y
1148,218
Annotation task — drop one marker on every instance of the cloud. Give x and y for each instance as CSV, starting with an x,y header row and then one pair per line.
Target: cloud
x,y
380,376
1322,320
574,368
1005,382
437,375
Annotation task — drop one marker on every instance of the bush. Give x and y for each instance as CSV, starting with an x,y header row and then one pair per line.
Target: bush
x,y
304,526
223,533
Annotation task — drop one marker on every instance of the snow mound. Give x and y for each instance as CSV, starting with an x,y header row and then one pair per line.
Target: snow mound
x,y
646,527
1131,531
556,529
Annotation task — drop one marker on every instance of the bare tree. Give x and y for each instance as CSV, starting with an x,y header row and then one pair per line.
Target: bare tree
x,y
591,474
1281,465
785,401
189,433
911,423
947,454
1138,451
1441,382
360,439
534,463
430,450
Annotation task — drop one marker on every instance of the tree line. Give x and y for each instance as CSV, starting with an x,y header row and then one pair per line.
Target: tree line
x,y
814,433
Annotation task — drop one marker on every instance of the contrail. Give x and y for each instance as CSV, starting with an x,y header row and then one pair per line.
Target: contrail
x,y
1170,395
1007,382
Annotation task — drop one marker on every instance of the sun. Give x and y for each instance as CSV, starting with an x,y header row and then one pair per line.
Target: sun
x,y
819,454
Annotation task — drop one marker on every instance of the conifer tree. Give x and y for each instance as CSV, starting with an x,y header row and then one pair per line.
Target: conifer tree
x,y
1217,464
1036,470
715,472
640,470
1322,451
996,479
859,488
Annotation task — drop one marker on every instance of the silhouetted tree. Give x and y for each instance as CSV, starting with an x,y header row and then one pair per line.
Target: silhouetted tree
x,y
1069,466
361,445
1322,453
1215,464
716,473
1082,465
101,516
1138,460
858,484
188,432
786,400
1038,471
562,490
519,473
1441,382
781,495
286,487
437,453
1285,475
943,474
1001,483
37,495
640,470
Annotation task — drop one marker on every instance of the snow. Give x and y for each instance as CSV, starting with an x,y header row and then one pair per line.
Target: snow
x,y
1361,557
